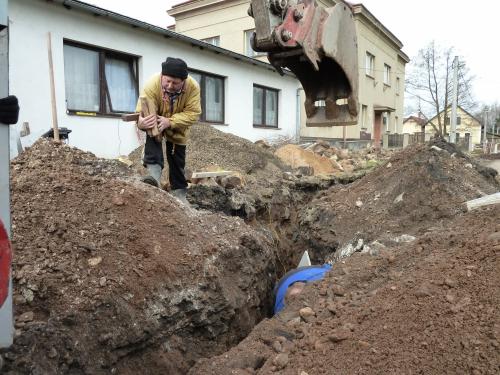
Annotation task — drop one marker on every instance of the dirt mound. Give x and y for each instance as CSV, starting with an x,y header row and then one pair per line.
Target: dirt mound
x,y
430,307
208,146
110,273
417,188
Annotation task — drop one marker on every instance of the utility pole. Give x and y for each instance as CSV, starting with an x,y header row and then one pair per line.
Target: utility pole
x,y
485,125
6,320
453,117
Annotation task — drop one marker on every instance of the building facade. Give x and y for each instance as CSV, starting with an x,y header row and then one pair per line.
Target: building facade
x,y
380,58
101,60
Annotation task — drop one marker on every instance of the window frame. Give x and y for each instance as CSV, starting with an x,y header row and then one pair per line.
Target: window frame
x,y
263,114
104,94
370,70
203,95
387,74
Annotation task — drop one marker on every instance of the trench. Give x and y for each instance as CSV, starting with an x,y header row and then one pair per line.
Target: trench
x,y
279,218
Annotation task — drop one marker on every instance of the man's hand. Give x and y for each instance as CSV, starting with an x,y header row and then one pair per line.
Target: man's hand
x,y
146,123
163,123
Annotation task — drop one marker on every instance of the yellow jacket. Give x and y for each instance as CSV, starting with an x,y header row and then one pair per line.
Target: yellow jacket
x,y
186,111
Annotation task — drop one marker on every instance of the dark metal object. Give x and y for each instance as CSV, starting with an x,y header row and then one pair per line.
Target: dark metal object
x,y
320,47
63,133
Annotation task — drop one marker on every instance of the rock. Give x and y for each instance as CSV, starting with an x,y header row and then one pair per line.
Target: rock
x,y
338,290
343,154
359,204
118,200
468,165
339,334
399,198
280,361
277,346
28,295
423,291
102,281
262,143
436,148
450,282
306,313
26,317
52,353
94,261
230,182
389,165
303,373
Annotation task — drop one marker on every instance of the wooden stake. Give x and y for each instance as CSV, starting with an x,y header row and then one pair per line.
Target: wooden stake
x,y
55,126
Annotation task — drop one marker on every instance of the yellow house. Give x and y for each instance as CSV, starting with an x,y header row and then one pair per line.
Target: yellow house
x,y
466,124
381,62
413,124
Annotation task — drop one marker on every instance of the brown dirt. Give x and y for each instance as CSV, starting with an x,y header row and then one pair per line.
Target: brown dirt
x,y
426,308
112,276
209,147
109,272
415,191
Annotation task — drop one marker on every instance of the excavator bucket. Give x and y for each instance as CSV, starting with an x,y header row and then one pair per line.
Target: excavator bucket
x,y
319,45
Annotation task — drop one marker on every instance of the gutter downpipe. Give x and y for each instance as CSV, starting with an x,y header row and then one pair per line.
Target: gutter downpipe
x,y
297,115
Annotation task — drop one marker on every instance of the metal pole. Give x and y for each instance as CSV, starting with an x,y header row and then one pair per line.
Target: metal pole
x,y
453,119
6,320
485,121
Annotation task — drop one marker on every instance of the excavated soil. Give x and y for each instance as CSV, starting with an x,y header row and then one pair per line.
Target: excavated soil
x,y
417,190
430,307
114,276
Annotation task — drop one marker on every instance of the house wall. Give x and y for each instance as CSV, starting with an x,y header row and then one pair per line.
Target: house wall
x,y
411,127
197,20
468,124
30,22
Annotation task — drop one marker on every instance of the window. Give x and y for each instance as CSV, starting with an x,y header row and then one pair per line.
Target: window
x,y
387,75
99,81
370,64
447,120
265,106
215,41
212,96
248,45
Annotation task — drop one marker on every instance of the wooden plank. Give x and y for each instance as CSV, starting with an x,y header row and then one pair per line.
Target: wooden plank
x,y
483,201
130,117
148,108
55,125
211,174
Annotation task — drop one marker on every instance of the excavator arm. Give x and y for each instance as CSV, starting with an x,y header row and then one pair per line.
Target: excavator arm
x,y
319,45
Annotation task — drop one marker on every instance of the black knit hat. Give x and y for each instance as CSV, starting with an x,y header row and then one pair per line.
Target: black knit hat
x,y
174,67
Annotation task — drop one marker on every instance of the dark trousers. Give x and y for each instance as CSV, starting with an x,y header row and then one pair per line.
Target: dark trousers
x,y
176,159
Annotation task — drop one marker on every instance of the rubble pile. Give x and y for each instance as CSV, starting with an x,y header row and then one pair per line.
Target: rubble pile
x,y
320,158
110,273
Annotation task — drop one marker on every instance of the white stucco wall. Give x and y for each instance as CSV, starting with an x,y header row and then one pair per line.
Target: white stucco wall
x,y
30,22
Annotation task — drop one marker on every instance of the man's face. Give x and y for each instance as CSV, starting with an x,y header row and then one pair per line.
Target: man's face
x,y
171,84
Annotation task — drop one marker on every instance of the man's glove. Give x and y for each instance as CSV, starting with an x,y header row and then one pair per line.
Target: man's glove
x,y
9,110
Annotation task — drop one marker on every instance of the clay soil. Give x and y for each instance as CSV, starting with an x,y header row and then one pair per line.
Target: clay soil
x,y
112,276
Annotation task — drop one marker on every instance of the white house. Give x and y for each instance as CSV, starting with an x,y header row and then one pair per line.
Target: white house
x,y
101,60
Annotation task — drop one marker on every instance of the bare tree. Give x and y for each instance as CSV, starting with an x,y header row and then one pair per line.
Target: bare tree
x,y
431,81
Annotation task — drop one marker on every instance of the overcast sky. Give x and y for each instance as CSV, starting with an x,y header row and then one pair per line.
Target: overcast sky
x,y
470,29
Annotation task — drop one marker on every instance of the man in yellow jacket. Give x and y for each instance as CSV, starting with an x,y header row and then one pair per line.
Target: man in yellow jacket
x,y
176,97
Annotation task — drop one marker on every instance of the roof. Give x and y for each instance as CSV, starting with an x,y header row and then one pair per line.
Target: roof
x,y
117,17
459,107
419,120
362,10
